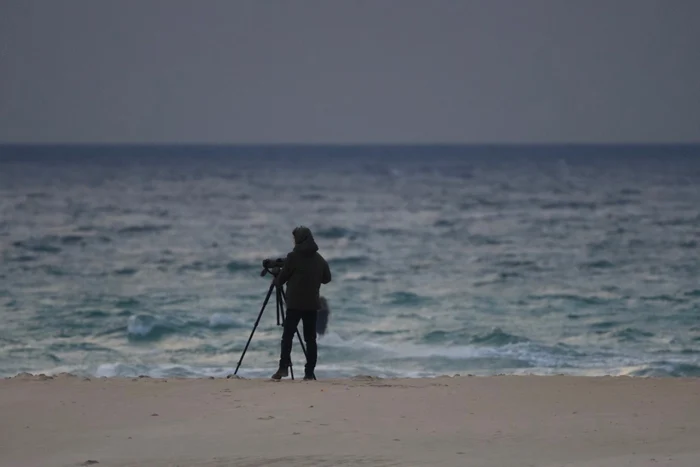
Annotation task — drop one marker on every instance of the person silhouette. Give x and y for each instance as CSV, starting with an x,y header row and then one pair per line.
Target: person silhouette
x,y
304,271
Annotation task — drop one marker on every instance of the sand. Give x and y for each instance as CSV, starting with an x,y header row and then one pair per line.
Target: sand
x,y
498,421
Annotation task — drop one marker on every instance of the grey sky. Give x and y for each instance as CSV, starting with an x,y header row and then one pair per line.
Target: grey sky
x,y
349,71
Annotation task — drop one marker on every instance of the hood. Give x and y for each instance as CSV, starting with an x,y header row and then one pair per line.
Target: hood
x,y
304,240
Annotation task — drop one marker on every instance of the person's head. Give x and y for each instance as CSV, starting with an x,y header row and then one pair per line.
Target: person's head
x,y
304,240
300,234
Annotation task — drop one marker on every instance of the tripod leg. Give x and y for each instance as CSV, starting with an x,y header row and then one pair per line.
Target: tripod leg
x,y
280,293
303,349
297,331
291,367
257,321
280,312
277,296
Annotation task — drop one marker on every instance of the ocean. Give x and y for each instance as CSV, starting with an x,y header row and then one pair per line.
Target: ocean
x,y
484,260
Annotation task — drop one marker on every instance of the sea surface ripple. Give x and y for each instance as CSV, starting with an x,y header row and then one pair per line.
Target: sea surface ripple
x,y
146,261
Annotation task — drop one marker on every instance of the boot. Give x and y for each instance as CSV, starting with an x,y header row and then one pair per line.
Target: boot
x,y
309,376
282,372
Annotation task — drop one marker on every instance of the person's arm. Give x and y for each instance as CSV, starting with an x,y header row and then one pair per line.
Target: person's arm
x,y
326,273
286,271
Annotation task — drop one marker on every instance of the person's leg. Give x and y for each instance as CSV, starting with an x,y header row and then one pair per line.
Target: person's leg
x,y
309,318
291,321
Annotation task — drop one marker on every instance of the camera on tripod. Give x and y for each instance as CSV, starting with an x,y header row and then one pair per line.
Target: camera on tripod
x,y
272,265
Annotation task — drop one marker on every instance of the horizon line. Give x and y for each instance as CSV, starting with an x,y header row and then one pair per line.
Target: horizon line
x,y
347,144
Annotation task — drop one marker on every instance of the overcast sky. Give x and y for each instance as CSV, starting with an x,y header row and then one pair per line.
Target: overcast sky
x,y
304,71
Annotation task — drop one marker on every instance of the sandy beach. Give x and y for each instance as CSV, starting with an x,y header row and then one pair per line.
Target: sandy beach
x,y
450,421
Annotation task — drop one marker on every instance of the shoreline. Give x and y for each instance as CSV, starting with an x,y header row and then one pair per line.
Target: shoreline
x,y
47,375
489,421
298,374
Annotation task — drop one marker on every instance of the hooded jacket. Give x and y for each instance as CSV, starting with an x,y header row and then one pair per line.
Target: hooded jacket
x,y
304,271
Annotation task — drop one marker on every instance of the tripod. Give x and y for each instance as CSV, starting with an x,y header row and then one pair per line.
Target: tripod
x,y
280,299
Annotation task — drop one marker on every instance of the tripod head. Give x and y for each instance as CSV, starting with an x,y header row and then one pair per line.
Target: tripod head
x,y
273,263
272,266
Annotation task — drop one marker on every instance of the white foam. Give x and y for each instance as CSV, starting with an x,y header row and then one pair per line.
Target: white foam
x,y
109,370
222,320
140,325
521,351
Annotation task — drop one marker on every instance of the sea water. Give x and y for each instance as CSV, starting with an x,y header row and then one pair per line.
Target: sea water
x,y
127,261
